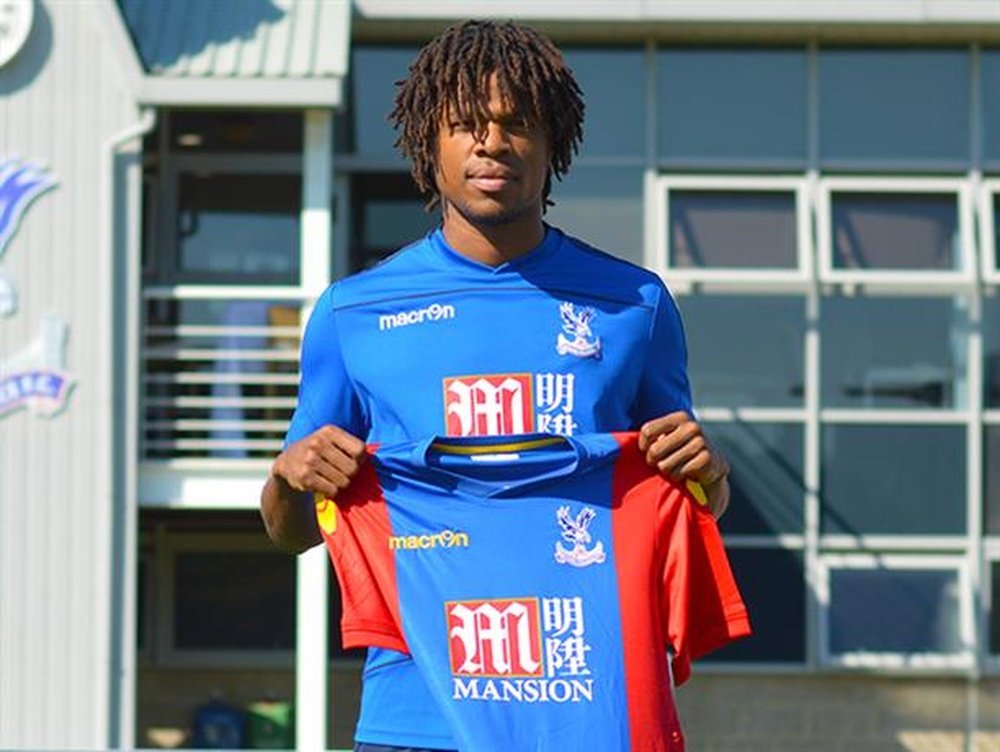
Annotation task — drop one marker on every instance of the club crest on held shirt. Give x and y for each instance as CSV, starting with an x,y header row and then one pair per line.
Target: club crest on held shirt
x,y
577,338
574,530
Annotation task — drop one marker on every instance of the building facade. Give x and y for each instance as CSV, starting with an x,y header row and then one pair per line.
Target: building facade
x,y
818,183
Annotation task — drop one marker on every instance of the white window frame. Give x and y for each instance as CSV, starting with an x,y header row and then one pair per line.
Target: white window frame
x,y
934,279
989,257
659,251
219,542
915,662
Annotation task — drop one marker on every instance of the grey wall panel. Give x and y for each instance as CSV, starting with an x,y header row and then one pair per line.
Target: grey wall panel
x,y
61,99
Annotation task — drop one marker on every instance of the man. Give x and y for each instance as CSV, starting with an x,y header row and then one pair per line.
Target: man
x,y
495,323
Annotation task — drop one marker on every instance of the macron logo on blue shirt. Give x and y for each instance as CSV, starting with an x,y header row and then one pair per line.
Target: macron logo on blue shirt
x,y
433,312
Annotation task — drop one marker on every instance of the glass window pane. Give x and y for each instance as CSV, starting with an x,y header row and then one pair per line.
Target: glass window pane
x,y
234,601
374,73
894,611
238,131
995,608
732,106
893,480
893,352
243,225
388,213
895,231
732,229
767,477
745,350
991,484
871,101
603,207
773,587
989,73
613,81
991,351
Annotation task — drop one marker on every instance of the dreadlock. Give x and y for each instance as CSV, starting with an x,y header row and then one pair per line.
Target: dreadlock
x,y
452,73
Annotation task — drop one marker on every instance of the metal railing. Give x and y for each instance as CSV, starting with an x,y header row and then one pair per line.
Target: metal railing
x,y
220,371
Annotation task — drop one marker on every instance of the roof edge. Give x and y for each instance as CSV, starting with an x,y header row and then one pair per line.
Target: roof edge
x,y
270,93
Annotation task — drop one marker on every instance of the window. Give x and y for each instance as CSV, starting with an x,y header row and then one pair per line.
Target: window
x,y
228,599
895,231
732,228
894,480
991,481
768,489
238,228
387,213
745,350
613,81
894,352
896,611
732,108
601,205
365,128
894,108
989,211
773,586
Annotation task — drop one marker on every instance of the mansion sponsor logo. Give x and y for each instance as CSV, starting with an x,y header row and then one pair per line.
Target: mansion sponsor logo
x,y
500,404
444,539
433,312
519,650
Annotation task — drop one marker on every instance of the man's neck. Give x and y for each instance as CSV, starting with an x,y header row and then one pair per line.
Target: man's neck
x,y
491,244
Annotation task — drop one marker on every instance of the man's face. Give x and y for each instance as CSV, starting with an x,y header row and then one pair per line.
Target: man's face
x,y
496,176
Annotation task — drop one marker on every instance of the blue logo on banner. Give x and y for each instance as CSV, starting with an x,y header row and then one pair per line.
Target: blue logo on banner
x,y
42,391
20,183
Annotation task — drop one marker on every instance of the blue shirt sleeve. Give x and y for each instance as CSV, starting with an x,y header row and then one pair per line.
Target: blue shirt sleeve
x,y
663,383
326,391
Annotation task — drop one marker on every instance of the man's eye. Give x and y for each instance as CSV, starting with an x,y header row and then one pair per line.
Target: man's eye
x,y
462,126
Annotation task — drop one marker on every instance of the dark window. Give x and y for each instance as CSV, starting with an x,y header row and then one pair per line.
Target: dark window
x,y
614,88
991,484
991,351
894,107
732,229
745,350
237,228
388,213
732,107
767,483
893,352
895,231
894,611
773,587
241,132
603,207
894,480
234,600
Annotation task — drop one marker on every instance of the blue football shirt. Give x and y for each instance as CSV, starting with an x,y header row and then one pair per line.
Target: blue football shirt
x,y
537,583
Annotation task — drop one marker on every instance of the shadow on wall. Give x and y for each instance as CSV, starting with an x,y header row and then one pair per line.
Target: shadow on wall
x,y
26,65
164,33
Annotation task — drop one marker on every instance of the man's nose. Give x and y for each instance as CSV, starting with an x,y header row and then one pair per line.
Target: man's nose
x,y
494,138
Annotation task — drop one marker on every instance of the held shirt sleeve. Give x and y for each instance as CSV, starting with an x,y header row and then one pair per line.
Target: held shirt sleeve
x,y
327,395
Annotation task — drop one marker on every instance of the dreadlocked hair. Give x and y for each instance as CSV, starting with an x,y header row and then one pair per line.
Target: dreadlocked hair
x,y
451,74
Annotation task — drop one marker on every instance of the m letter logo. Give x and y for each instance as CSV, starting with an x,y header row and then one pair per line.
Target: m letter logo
x,y
494,637
490,405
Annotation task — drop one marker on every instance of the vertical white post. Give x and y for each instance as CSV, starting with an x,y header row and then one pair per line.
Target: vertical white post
x,y
311,659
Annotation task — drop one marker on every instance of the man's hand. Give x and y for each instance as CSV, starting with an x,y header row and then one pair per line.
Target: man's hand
x,y
325,462
675,445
